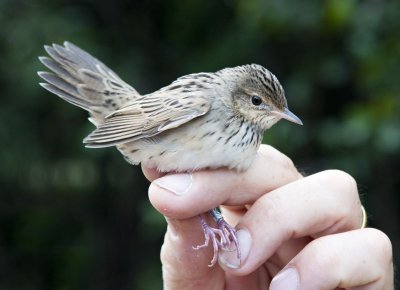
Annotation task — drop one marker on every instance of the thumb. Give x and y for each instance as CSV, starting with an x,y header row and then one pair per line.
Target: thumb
x,y
183,267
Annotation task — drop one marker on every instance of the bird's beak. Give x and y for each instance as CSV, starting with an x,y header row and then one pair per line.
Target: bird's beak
x,y
286,114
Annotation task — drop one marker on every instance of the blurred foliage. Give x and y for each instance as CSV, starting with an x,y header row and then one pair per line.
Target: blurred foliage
x,y
73,218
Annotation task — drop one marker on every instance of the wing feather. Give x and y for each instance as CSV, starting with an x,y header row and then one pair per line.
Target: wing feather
x,y
139,120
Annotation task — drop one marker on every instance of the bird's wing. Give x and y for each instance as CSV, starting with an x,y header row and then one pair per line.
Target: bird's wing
x,y
149,116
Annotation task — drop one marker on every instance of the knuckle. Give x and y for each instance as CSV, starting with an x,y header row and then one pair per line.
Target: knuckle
x,y
287,163
381,243
343,179
343,189
278,159
270,205
267,149
344,183
283,161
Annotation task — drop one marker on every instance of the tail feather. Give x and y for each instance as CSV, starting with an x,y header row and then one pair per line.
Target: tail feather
x,y
57,69
62,94
84,81
59,82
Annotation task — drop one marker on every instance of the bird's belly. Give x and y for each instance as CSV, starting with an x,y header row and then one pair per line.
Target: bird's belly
x,y
189,148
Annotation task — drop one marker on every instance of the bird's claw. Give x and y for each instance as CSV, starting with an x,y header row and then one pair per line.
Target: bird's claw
x,y
221,238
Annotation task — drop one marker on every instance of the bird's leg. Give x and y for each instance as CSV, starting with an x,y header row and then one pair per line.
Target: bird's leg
x,y
221,237
229,232
210,234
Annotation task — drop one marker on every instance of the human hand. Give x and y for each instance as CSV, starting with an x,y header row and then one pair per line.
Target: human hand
x,y
294,232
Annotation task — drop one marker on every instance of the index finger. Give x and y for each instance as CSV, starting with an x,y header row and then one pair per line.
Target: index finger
x,y
151,173
184,195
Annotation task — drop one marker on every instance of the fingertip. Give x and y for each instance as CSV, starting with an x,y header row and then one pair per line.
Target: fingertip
x,y
171,204
151,173
381,243
229,259
287,279
157,197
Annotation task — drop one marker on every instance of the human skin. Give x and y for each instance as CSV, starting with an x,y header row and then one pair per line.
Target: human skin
x,y
295,232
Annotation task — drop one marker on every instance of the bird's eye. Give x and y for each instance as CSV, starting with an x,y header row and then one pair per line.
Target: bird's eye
x,y
256,100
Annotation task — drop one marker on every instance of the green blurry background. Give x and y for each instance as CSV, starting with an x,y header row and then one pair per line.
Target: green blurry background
x,y
75,218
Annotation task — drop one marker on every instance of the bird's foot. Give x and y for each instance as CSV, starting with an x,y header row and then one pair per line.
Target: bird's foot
x,y
221,238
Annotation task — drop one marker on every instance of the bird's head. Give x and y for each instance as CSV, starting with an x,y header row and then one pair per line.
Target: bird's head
x,y
258,96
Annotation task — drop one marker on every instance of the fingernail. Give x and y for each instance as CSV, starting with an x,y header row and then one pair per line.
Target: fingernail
x,y
229,257
178,184
285,280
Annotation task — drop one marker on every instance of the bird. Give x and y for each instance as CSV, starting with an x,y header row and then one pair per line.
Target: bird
x,y
203,120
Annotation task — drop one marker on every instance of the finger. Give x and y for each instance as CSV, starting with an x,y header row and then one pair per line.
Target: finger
x,y
233,214
152,173
186,195
183,267
360,258
317,205
255,280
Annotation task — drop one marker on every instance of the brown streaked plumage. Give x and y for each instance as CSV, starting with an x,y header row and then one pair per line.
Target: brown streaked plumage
x,y
201,120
